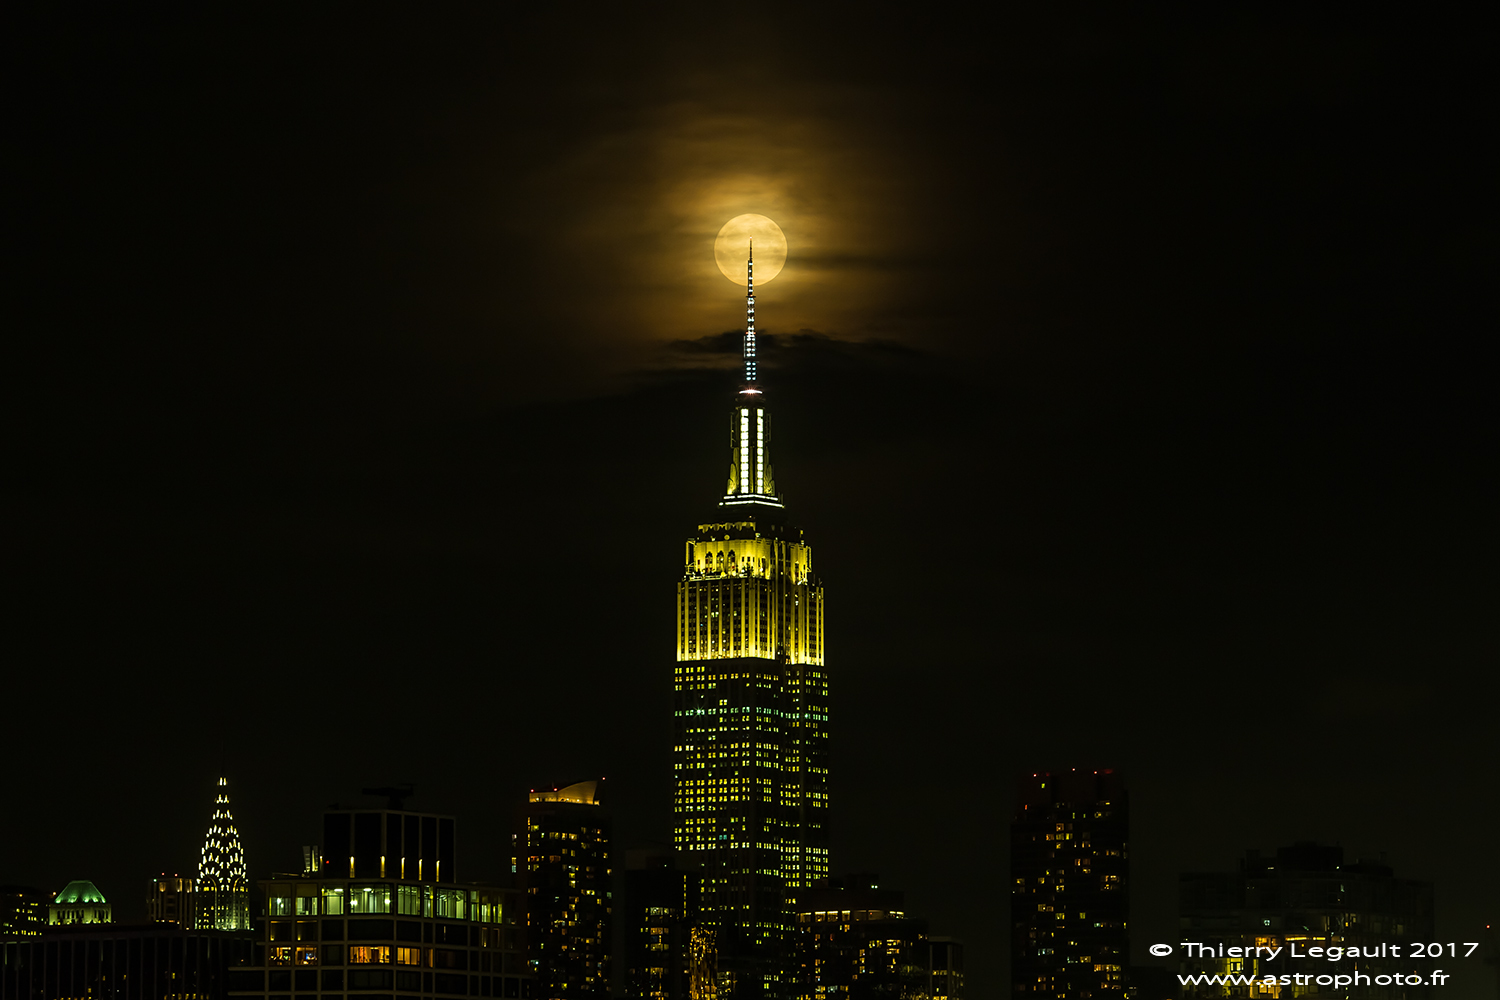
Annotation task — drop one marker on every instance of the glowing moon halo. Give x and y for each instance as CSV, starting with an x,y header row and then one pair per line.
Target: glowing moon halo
x,y
733,243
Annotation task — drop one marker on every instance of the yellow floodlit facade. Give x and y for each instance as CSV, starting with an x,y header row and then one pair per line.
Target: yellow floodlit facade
x,y
744,593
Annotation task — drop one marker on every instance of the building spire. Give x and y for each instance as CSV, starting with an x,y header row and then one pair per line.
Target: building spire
x,y
223,879
750,315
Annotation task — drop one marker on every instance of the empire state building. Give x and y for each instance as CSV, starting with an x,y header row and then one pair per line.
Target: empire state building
x,y
750,712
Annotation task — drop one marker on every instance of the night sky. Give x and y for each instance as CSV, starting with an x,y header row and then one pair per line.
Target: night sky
x,y
367,368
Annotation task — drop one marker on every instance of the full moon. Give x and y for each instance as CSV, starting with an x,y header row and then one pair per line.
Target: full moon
x,y
733,245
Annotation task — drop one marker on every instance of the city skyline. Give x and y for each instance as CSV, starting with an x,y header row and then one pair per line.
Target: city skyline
x,y
1129,379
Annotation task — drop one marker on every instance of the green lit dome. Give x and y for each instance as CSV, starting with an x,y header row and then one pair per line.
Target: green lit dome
x,y
80,891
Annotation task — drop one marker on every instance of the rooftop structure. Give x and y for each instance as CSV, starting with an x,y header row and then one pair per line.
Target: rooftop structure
x,y
80,902
223,889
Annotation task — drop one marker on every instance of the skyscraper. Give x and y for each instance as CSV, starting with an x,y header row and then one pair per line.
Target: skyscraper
x,y
223,881
562,864
1070,902
750,713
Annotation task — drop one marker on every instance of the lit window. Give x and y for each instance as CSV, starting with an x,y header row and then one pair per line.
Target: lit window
x,y
409,900
370,897
450,903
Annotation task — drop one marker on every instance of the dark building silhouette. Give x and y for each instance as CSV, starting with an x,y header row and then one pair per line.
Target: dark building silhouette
x,y
122,962
1304,897
371,916
855,941
750,711
1152,982
945,968
23,911
389,843
171,900
659,913
562,865
1492,953
1070,886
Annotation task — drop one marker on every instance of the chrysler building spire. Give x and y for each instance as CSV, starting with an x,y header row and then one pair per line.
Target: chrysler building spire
x,y
223,880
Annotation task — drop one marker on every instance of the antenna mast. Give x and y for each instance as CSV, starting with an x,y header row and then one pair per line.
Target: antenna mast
x,y
750,315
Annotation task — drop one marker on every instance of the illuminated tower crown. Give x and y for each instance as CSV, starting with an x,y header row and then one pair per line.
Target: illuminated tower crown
x,y
750,746
223,880
750,478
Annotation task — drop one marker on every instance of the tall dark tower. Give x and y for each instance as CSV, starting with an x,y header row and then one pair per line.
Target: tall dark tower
x,y
750,719
562,863
1070,886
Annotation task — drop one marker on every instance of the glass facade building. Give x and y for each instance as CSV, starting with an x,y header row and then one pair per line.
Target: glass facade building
x,y
23,911
367,923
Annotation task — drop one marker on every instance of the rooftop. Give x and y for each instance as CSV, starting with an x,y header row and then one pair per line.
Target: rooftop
x,y
583,793
80,891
